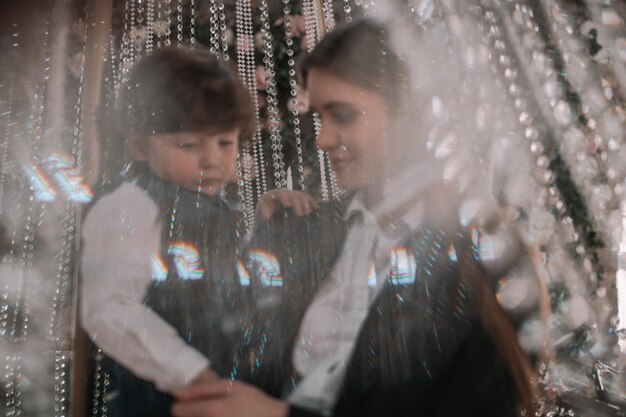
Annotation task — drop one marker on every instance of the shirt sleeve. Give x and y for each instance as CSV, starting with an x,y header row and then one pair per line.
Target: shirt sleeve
x,y
120,235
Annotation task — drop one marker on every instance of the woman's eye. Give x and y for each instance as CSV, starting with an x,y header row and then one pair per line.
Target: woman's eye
x,y
226,142
343,117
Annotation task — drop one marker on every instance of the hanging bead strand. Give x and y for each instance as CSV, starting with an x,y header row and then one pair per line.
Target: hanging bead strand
x,y
126,48
4,147
334,187
192,23
69,222
329,15
245,49
115,66
167,36
313,34
101,381
295,113
140,39
245,46
132,30
278,162
9,126
347,9
179,23
214,30
159,20
149,26
223,29
259,158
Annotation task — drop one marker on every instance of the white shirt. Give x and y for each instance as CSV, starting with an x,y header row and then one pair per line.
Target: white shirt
x,y
121,234
330,327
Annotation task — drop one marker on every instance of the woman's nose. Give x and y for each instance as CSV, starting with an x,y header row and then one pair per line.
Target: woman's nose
x,y
328,138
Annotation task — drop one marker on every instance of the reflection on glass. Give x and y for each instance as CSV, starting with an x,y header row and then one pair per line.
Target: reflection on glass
x,y
68,178
243,274
186,260
41,186
158,268
267,266
403,267
371,275
59,166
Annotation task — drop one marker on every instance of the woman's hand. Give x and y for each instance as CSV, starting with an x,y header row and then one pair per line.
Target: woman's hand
x,y
225,398
301,203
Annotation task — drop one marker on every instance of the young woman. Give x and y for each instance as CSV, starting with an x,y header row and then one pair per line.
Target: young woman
x,y
379,311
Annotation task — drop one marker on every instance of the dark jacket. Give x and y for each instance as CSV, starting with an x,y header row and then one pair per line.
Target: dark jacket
x,y
422,349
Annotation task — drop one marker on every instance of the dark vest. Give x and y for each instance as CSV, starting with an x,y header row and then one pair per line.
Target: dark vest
x,y
195,288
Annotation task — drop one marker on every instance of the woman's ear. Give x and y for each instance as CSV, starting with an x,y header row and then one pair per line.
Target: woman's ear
x,y
137,148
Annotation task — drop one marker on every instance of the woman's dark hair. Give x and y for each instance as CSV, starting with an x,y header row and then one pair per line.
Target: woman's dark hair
x,y
360,53
441,205
176,90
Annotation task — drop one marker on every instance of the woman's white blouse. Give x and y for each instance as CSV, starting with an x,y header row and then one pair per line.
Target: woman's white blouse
x,y
332,322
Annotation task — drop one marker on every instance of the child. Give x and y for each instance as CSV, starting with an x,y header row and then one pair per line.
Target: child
x,y
160,291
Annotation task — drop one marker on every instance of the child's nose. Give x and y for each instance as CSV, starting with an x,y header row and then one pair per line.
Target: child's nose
x,y
207,157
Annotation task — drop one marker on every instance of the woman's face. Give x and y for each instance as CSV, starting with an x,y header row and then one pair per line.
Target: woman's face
x,y
354,128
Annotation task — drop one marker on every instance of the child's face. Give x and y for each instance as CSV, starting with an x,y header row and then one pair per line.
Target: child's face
x,y
196,161
354,128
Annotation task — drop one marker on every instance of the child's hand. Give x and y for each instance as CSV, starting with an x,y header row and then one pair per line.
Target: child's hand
x,y
301,203
206,376
226,398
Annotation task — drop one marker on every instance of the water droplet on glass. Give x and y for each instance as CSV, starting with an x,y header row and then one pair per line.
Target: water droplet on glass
x,y
525,118
609,17
531,335
531,133
552,89
520,104
614,145
536,147
620,47
514,89
446,146
543,161
563,113
510,74
548,177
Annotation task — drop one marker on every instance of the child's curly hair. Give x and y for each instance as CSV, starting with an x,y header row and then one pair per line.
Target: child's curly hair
x,y
176,90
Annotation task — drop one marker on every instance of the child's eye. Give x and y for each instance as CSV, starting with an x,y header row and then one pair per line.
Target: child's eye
x,y
226,142
186,145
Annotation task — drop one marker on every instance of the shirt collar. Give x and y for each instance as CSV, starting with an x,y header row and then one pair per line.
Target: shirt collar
x,y
412,219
